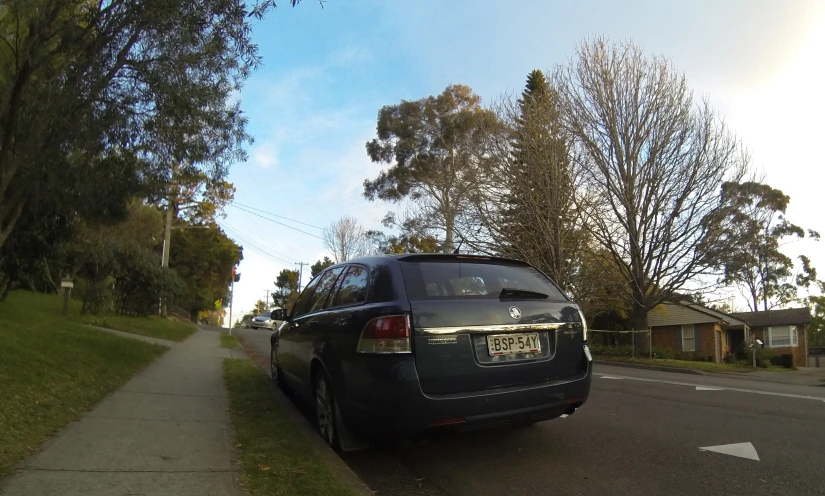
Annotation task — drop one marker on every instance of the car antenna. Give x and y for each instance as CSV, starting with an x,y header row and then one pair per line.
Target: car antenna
x,y
459,246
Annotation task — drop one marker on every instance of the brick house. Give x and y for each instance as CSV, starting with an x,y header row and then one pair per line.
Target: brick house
x,y
692,328
786,331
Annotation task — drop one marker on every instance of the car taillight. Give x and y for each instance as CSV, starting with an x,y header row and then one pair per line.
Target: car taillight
x,y
390,334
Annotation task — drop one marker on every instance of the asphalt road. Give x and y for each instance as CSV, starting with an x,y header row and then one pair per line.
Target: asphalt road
x,y
640,433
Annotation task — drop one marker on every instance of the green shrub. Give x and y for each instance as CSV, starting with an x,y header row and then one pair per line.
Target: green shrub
x,y
664,353
141,282
603,350
763,357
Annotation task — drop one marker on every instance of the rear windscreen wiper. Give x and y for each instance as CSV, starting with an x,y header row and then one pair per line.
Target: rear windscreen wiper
x,y
511,293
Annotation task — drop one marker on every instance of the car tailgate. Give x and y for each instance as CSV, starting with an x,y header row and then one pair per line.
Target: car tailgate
x,y
452,334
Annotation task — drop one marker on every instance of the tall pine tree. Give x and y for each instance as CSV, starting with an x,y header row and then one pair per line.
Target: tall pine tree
x,y
538,211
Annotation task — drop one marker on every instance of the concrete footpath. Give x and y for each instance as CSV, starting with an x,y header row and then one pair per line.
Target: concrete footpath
x,y
165,432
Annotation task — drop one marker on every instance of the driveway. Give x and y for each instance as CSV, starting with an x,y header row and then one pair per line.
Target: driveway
x,y
641,432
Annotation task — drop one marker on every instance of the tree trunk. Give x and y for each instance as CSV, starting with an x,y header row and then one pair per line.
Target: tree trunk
x,y
449,227
641,340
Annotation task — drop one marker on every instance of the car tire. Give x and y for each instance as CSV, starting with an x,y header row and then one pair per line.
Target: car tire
x,y
326,418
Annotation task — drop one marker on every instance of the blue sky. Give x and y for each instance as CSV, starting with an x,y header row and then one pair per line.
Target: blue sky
x,y
327,71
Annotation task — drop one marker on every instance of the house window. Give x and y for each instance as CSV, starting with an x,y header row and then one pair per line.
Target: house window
x,y
782,337
688,338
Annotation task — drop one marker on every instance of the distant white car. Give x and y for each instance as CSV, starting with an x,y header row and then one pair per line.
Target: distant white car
x,y
264,321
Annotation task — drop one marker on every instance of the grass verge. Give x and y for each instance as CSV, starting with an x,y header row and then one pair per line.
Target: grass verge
x,y
681,364
275,456
228,341
52,370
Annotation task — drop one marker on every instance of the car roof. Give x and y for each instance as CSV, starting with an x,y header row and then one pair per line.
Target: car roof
x,y
441,257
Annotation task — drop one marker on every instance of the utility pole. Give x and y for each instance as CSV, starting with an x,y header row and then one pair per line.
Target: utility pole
x,y
167,238
300,273
231,296
267,298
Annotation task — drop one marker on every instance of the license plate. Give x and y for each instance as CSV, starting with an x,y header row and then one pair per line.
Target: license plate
x,y
510,344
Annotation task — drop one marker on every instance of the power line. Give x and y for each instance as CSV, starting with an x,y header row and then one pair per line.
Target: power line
x,y
254,239
248,242
276,222
275,215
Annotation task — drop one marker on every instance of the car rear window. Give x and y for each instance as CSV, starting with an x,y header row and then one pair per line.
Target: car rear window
x,y
353,289
474,279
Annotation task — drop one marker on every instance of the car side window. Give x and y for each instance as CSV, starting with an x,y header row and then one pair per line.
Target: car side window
x,y
324,287
302,306
353,287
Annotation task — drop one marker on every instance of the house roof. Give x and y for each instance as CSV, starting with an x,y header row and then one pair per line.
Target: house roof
x,y
788,316
685,312
722,316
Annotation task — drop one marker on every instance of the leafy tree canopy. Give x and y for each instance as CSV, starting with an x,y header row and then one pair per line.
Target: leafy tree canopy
x,y
320,265
203,258
433,148
94,95
754,228
287,284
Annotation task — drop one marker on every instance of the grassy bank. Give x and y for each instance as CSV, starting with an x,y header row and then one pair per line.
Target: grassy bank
x,y
681,364
52,370
154,326
275,456
692,364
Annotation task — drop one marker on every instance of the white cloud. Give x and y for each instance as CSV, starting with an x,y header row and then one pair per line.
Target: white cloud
x,y
264,156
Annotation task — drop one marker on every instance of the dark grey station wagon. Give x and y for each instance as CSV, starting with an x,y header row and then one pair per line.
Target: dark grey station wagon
x,y
397,345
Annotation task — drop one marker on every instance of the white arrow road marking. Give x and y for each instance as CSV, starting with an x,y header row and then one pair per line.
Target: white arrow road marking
x,y
742,450
738,390
705,388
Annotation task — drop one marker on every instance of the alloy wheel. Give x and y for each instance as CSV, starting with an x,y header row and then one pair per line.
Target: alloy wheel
x,y
273,365
324,410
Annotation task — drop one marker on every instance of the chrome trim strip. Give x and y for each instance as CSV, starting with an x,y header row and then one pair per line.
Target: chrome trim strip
x,y
503,328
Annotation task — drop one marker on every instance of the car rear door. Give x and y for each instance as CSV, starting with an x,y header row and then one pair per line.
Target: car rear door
x,y
311,326
292,333
469,336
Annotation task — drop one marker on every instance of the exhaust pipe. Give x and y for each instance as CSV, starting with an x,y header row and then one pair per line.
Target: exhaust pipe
x,y
573,407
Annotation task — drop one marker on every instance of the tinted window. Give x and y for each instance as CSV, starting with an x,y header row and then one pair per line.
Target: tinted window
x,y
265,314
322,290
302,305
445,280
353,288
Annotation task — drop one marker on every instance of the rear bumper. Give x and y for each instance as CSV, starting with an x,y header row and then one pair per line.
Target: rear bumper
x,y
383,398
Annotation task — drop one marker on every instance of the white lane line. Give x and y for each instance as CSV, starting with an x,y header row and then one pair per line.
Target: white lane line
x,y
741,450
609,377
705,388
738,390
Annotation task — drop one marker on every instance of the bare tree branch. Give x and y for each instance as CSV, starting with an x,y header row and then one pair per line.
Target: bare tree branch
x,y
651,162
